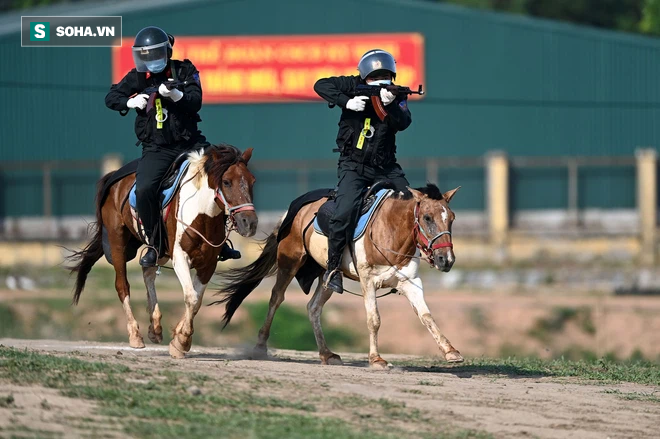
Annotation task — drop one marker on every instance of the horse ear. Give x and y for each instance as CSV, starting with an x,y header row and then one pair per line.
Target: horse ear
x,y
417,195
247,155
450,194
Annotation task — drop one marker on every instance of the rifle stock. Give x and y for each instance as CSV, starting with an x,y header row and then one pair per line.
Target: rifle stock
x,y
373,91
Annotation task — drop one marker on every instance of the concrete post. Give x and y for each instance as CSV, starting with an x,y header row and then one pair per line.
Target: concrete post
x,y
647,202
497,190
110,162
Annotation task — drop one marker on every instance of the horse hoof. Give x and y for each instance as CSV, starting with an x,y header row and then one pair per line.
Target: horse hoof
x,y
154,336
259,354
136,342
182,342
175,352
379,364
332,360
453,357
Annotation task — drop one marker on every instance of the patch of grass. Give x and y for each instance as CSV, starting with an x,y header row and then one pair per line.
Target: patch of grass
x,y
430,383
634,396
26,367
162,407
10,325
546,327
7,401
26,432
640,372
414,391
577,353
291,329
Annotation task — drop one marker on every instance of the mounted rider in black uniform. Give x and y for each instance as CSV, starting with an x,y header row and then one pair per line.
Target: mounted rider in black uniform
x,y
165,131
366,144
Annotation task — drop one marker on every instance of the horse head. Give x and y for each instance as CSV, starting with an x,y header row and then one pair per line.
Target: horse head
x,y
433,221
232,182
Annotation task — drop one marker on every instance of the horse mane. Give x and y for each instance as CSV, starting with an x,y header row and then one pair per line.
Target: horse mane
x,y
430,190
213,162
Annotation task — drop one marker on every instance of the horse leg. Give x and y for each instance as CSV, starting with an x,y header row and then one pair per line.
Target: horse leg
x,y
284,278
155,328
413,290
182,336
373,323
314,310
124,289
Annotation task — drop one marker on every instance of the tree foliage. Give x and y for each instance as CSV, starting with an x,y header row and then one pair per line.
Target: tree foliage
x,y
626,15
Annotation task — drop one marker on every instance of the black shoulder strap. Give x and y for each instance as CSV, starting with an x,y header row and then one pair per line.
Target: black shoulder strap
x,y
173,69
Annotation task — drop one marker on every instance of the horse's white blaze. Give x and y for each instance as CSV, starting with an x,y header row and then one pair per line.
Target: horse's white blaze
x,y
444,215
450,256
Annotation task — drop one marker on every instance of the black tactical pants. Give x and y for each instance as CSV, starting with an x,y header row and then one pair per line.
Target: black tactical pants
x,y
154,163
353,178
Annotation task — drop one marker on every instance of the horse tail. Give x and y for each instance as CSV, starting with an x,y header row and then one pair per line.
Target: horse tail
x,y
242,281
87,257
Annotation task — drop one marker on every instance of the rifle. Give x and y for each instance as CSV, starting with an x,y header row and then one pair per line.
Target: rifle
x,y
373,91
153,92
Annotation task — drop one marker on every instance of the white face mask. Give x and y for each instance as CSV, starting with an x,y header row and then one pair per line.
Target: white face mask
x,y
381,82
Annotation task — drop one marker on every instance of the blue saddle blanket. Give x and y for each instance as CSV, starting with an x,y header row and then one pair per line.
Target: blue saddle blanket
x,y
364,218
168,193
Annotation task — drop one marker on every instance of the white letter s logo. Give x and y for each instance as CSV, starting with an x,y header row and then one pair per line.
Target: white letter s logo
x,y
40,31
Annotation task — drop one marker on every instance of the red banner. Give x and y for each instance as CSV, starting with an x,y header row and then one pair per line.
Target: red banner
x,y
282,68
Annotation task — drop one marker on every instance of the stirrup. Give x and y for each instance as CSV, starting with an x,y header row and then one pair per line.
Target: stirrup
x,y
330,275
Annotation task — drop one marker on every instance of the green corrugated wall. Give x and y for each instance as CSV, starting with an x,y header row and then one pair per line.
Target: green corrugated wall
x,y
525,86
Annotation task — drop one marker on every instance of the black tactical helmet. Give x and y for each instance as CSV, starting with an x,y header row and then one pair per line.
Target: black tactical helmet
x,y
376,59
152,49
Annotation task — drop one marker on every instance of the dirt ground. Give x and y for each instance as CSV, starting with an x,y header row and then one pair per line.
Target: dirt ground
x,y
505,406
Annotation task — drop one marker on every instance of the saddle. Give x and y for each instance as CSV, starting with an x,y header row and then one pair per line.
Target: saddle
x,y
169,183
168,187
371,199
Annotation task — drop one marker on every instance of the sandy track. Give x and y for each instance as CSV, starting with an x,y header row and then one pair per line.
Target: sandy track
x,y
506,406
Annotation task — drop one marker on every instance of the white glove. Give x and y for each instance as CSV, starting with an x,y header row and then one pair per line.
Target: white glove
x,y
139,101
386,96
357,103
173,94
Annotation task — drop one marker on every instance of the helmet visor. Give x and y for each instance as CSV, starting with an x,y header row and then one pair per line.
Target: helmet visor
x,y
150,58
376,60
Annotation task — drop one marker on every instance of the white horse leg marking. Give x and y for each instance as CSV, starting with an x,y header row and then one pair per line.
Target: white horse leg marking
x,y
373,322
314,310
414,292
182,337
134,338
199,289
155,328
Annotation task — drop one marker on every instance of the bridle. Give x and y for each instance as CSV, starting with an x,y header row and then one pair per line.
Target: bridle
x,y
230,210
426,244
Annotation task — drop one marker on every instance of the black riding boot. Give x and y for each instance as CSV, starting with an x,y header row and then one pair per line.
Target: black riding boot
x,y
154,251
333,277
228,253
149,259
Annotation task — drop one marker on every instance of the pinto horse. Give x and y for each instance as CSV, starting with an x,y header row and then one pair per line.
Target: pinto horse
x,y
215,197
386,255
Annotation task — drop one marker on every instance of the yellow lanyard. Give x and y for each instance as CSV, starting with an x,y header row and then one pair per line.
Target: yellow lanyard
x,y
363,133
159,114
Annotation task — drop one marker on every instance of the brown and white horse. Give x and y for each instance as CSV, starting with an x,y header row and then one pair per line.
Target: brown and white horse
x,y
386,256
215,197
